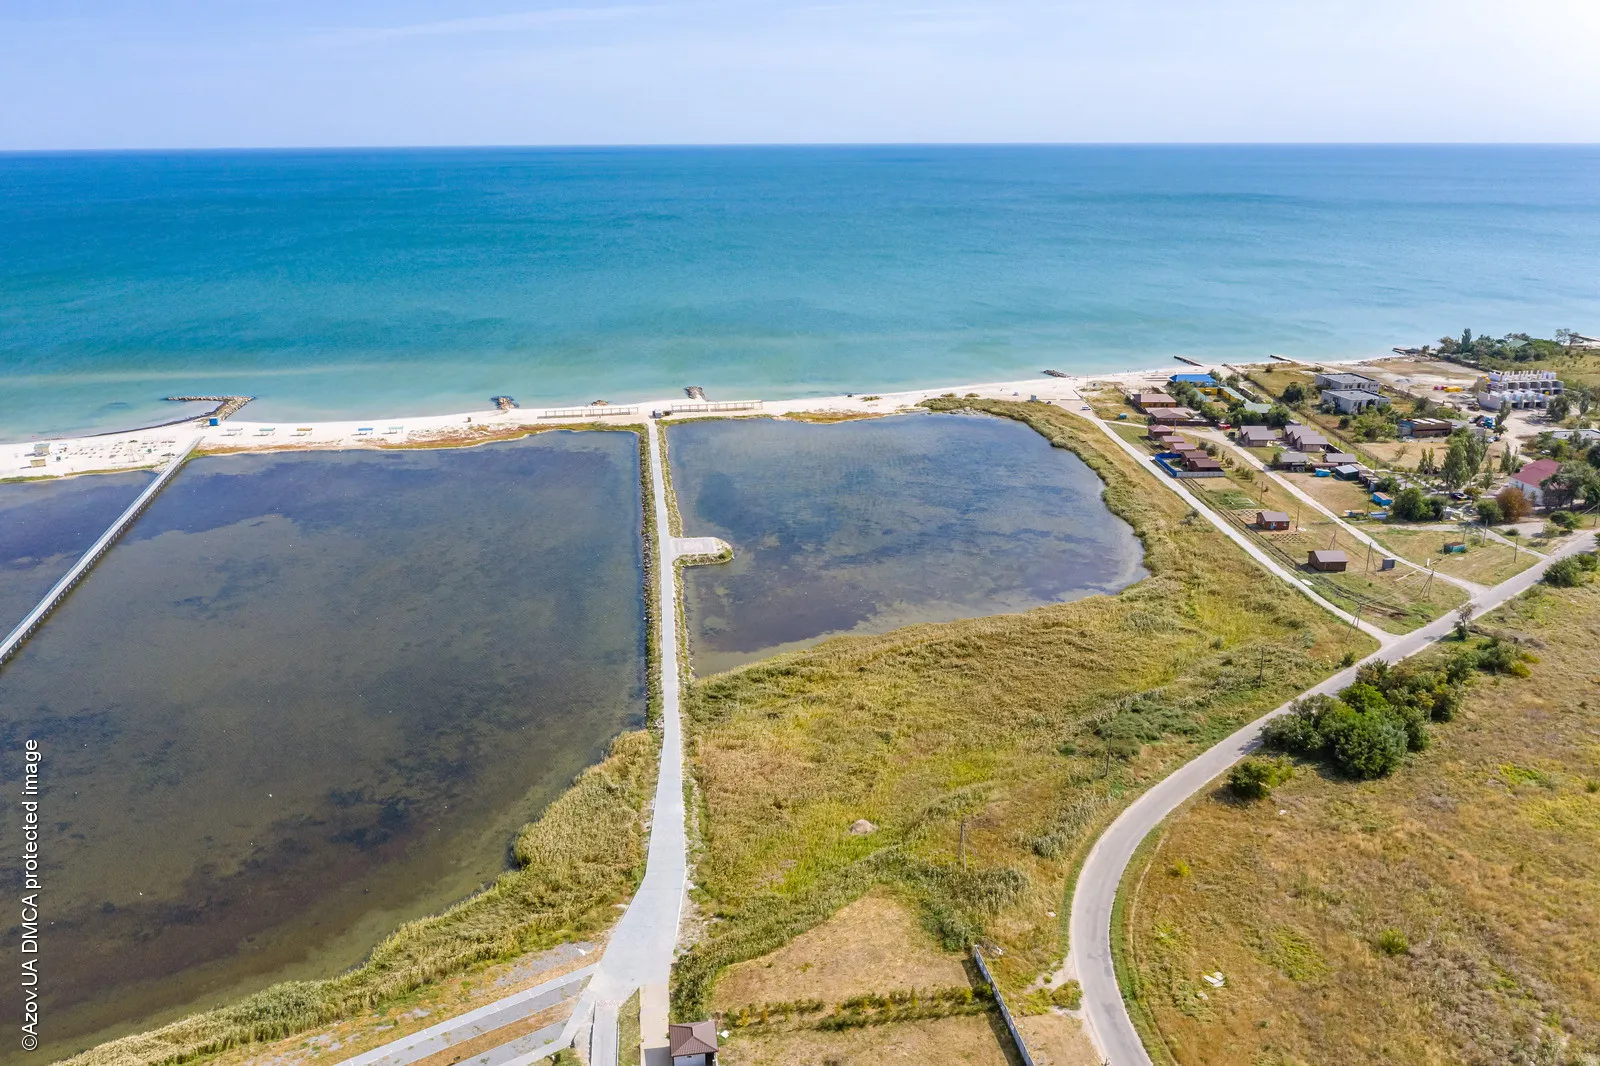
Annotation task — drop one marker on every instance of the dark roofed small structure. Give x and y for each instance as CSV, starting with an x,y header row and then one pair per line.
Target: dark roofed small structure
x,y
1330,560
1276,520
1257,436
694,1044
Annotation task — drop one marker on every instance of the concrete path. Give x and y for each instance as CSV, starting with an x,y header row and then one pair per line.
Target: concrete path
x,y
1239,538
475,1023
641,947
1089,959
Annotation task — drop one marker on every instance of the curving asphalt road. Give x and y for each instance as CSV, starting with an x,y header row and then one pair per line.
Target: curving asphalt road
x,y
1089,932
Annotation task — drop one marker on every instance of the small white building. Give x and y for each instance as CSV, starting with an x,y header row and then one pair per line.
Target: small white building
x,y
1531,478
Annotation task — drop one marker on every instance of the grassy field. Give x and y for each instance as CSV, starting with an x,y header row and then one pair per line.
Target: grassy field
x,y
1447,914
1030,730
583,855
1333,493
1488,562
1397,600
787,1005
1109,403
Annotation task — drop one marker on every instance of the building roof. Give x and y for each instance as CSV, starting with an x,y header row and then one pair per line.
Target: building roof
x,y
1201,461
1266,432
1257,408
1289,455
1328,555
1273,518
696,1038
1347,381
1305,435
1536,472
1341,459
1194,379
1142,398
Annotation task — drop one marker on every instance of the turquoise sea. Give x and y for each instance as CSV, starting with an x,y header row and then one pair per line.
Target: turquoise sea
x,y
372,283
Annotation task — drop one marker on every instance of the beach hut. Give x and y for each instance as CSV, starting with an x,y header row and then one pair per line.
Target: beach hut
x,y
1328,560
1257,436
1277,521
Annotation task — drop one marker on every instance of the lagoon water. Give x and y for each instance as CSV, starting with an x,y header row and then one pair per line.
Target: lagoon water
x,y
379,283
860,527
46,526
309,697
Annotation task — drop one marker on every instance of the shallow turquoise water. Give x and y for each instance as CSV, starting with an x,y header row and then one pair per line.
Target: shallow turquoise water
x,y
376,283
308,697
861,527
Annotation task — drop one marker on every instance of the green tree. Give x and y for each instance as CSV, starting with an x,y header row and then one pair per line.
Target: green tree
x,y
1558,408
1295,394
1414,505
1489,512
1504,414
1462,458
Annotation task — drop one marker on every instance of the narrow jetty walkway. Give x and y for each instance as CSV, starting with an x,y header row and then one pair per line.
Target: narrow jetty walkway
x,y
639,952
53,598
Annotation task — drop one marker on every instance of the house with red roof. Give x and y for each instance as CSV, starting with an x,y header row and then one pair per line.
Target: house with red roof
x,y
1531,478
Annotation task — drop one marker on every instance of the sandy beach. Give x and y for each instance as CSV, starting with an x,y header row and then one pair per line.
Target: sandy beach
x,y
138,448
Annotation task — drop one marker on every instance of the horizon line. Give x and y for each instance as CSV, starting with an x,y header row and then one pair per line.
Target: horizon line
x,y
734,145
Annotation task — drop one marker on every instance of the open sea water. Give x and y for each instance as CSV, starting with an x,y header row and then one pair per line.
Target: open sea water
x,y
403,282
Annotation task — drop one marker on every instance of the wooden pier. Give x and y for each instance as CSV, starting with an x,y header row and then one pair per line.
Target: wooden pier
x,y
52,599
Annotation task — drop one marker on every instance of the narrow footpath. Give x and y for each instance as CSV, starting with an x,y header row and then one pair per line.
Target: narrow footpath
x,y
1089,958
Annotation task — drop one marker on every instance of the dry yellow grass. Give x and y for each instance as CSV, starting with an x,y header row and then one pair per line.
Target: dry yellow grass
x,y
1058,1039
1447,914
976,1040
875,944
1032,728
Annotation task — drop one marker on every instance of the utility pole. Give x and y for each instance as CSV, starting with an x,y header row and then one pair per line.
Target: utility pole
x,y
963,845
1369,556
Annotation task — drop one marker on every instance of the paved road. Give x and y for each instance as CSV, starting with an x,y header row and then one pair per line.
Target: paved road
x,y
1090,929
1236,536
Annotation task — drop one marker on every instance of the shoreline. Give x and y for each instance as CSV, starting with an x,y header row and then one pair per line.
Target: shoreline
x,y
120,451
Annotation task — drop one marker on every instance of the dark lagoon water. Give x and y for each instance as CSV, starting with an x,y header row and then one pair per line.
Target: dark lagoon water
x,y
860,527
45,526
311,696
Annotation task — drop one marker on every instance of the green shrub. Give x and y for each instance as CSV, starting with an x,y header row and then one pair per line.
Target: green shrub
x,y
1364,745
1297,732
1565,573
1393,942
1069,996
1254,779
1565,519
1179,869
1499,657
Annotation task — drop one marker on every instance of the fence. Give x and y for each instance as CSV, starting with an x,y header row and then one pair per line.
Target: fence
x,y
588,412
1005,1012
732,405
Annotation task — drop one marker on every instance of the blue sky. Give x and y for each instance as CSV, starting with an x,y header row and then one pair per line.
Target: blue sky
x,y
218,73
